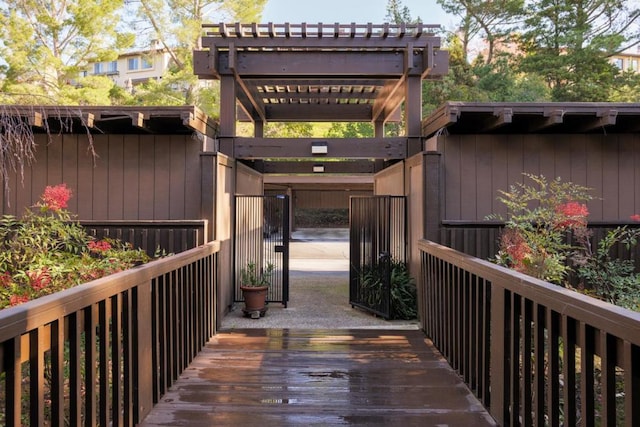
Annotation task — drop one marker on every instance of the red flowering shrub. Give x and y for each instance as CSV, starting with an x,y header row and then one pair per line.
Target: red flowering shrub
x,y
45,251
571,215
534,241
516,248
56,198
540,215
99,246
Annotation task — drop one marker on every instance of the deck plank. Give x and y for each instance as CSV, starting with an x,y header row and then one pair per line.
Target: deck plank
x,y
275,377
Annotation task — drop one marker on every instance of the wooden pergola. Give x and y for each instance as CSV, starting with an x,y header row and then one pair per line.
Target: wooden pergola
x,y
320,73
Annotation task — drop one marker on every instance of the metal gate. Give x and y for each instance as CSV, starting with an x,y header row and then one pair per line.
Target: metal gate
x,y
262,237
377,237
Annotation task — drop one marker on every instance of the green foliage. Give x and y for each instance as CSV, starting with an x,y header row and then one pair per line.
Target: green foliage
x,y
534,241
402,289
612,279
541,218
45,46
252,276
569,43
45,251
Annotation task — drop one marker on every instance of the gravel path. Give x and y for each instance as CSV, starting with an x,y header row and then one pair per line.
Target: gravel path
x,y
319,290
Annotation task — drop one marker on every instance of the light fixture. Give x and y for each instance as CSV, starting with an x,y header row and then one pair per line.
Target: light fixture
x,y
318,168
319,147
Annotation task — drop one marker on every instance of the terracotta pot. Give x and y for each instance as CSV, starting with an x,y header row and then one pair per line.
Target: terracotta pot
x,y
254,297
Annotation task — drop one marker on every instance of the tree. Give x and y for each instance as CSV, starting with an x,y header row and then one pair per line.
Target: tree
x,y
568,44
398,13
177,26
490,20
46,44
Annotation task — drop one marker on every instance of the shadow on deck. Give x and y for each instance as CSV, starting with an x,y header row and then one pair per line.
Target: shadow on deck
x,y
284,377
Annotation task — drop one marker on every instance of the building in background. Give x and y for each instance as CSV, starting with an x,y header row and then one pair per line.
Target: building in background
x,y
627,60
133,68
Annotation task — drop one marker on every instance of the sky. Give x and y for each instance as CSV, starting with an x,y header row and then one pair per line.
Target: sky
x,y
347,11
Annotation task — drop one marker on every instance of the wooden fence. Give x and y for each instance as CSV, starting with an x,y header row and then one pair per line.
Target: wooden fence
x,y
481,238
104,353
151,236
532,352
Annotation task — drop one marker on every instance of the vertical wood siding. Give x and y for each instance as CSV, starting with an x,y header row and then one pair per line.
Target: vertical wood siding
x,y
133,177
477,166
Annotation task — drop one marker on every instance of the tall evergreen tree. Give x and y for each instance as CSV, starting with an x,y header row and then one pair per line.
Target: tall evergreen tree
x,y
569,43
490,20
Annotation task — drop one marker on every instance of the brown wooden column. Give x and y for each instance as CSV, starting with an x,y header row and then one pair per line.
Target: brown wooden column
x,y
258,129
413,114
378,129
433,195
227,114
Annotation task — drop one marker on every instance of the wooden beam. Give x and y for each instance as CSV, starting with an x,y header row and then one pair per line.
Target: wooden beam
x,y
258,107
330,97
35,119
500,117
252,64
205,63
319,112
298,167
345,148
603,118
321,42
441,118
548,119
318,180
440,65
390,97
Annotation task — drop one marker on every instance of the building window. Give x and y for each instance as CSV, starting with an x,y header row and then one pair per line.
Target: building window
x,y
98,68
133,63
112,66
633,65
619,62
146,64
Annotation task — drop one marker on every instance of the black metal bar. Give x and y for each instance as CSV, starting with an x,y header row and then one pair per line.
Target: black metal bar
x,y
262,237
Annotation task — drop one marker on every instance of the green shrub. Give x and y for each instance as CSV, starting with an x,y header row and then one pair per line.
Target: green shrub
x,y
45,251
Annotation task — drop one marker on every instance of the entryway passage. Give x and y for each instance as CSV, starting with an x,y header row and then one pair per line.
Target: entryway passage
x,y
282,377
318,291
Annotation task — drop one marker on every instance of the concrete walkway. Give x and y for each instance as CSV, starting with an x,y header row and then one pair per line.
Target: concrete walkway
x,y
319,289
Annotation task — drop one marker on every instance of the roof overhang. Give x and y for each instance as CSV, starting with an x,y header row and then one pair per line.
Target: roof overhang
x,y
525,118
113,119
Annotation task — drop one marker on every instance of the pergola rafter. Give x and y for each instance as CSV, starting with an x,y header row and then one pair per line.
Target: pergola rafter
x,y
320,72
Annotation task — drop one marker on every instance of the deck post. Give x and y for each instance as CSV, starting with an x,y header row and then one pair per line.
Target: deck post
x,y
143,345
497,347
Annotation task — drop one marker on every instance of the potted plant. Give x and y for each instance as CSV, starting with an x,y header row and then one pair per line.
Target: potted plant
x,y
254,283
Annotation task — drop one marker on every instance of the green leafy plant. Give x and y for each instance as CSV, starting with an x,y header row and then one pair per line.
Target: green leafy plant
x,y
252,276
539,215
402,289
541,219
45,251
604,276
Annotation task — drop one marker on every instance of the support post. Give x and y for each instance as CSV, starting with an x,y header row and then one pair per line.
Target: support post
x,y
433,195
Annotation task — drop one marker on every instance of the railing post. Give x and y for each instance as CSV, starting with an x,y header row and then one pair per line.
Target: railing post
x,y
497,348
143,345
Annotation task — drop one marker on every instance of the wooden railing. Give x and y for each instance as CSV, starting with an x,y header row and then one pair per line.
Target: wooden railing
x,y
168,236
103,353
532,352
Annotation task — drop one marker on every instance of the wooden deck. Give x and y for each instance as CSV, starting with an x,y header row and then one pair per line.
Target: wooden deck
x,y
282,377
